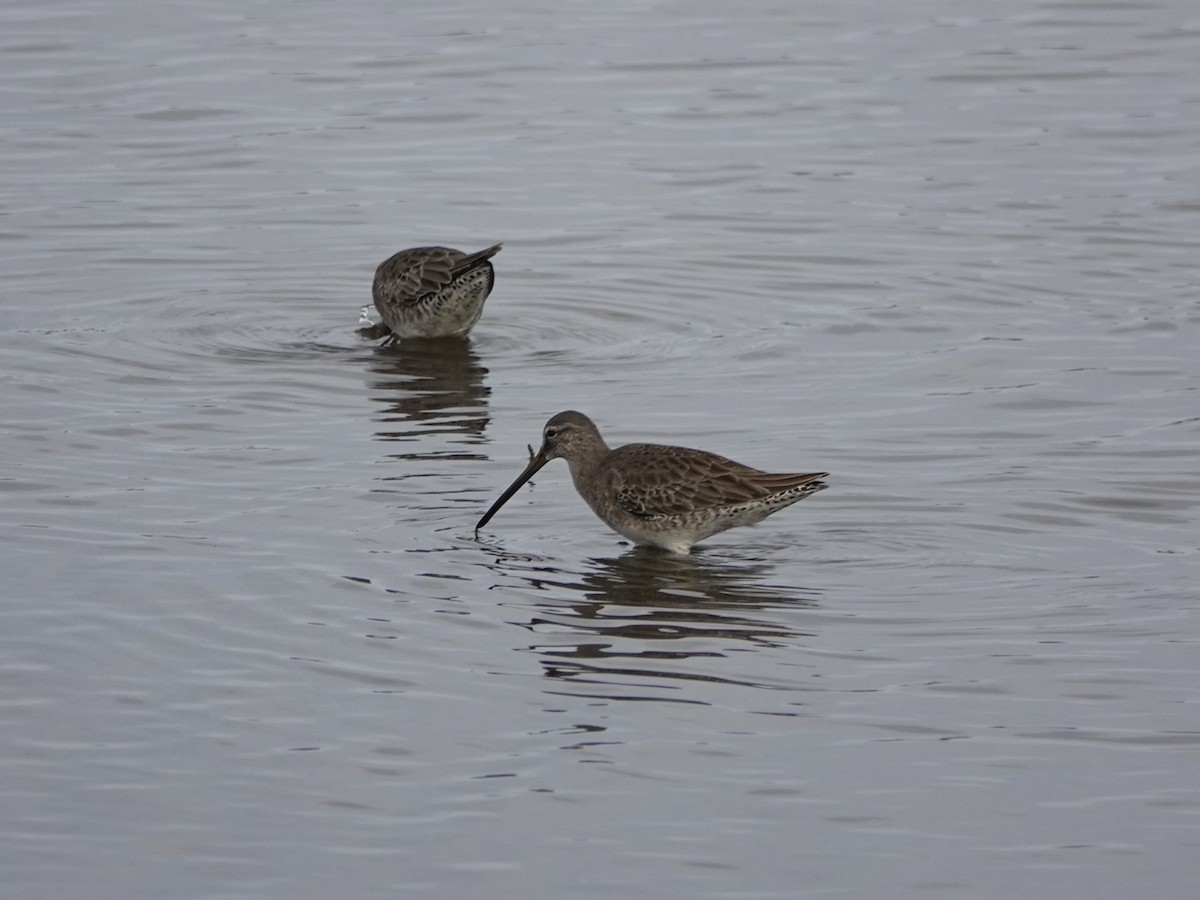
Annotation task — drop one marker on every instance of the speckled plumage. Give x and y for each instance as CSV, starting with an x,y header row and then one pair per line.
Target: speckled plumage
x,y
668,497
432,292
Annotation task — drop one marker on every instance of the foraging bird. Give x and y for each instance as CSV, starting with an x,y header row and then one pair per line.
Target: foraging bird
x,y
431,292
668,497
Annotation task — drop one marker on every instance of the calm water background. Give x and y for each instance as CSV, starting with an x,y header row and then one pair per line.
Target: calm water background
x,y
946,250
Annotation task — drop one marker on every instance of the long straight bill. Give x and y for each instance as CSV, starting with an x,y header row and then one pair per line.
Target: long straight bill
x,y
537,462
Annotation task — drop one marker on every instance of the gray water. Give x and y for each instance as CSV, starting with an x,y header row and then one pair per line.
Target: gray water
x,y
946,250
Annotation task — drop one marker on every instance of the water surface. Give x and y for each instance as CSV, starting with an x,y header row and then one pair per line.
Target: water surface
x,y
251,645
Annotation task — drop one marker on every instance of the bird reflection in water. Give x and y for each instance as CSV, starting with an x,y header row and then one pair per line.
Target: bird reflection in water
x,y
636,619
429,391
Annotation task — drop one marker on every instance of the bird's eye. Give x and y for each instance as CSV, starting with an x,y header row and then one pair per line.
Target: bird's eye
x,y
551,433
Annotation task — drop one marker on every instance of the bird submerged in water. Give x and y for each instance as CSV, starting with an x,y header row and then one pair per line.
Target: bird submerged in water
x,y
668,497
430,292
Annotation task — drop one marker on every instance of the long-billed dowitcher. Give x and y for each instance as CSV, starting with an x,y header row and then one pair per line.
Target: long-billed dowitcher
x,y
669,497
431,292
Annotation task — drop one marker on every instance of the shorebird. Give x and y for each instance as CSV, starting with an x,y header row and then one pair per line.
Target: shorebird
x,y
668,497
430,292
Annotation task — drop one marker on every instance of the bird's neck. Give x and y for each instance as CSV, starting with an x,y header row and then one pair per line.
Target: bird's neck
x,y
585,461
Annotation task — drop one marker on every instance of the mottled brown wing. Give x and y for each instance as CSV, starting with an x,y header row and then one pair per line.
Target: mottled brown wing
x,y
651,480
411,274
